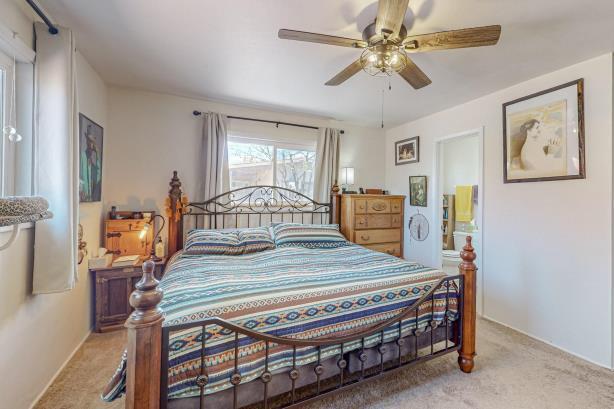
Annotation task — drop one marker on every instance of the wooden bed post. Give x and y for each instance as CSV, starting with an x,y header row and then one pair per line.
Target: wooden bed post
x,y
144,343
468,270
174,206
335,205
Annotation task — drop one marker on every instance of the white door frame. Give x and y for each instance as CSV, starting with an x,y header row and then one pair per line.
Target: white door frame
x,y
438,200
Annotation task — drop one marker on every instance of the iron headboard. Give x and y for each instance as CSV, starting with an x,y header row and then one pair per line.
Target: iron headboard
x,y
250,206
255,206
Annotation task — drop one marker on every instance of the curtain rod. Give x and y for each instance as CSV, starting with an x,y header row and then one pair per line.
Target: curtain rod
x,y
277,123
52,28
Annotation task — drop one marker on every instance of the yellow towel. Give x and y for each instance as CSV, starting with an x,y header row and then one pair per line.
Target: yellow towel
x,y
464,203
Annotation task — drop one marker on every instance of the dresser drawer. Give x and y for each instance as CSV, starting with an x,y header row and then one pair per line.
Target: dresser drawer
x,y
396,206
393,249
378,206
374,221
360,206
377,236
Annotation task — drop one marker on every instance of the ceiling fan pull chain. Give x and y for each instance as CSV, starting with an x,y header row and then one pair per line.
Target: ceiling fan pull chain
x,y
383,108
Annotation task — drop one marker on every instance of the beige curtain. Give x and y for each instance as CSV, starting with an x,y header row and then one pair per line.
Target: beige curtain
x,y
327,164
214,171
56,160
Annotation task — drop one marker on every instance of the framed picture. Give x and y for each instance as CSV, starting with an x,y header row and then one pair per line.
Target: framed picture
x,y
90,160
407,151
417,191
543,135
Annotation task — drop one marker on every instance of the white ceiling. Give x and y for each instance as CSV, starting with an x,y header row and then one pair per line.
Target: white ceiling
x,y
229,50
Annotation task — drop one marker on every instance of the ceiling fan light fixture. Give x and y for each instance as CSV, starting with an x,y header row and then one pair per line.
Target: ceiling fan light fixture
x,y
383,59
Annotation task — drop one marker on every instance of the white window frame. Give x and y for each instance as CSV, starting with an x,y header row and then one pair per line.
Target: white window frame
x,y
7,151
277,144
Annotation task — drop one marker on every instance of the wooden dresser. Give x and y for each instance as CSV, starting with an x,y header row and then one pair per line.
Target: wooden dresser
x,y
374,221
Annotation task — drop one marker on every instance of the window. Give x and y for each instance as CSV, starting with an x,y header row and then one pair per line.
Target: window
x,y
16,99
261,162
7,148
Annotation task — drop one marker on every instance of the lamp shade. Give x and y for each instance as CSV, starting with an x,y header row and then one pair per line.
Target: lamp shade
x,y
347,176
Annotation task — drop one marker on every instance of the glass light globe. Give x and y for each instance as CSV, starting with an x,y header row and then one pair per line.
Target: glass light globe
x,y
383,59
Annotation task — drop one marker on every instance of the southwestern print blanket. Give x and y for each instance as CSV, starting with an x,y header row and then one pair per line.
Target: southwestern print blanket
x,y
291,292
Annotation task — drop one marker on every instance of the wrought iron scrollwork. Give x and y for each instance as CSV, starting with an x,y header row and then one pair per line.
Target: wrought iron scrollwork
x,y
259,199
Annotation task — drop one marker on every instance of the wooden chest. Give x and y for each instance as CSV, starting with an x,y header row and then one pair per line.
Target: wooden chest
x,y
374,221
123,237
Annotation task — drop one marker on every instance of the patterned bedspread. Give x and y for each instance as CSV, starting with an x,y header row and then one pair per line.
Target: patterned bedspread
x,y
291,292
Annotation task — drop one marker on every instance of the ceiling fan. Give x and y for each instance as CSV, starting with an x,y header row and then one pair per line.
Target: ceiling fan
x,y
385,44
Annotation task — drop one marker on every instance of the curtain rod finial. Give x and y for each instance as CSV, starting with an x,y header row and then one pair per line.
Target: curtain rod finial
x,y
196,113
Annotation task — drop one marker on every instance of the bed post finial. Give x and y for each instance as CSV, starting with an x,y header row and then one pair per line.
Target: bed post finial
x,y
174,209
144,346
467,269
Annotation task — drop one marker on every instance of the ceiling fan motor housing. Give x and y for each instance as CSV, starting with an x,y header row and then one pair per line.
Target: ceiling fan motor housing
x,y
370,35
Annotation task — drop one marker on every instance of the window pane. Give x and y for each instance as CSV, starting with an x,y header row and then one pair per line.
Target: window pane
x,y
295,170
250,164
2,124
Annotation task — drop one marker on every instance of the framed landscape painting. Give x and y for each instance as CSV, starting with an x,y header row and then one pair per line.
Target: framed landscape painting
x,y
418,191
90,160
407,151
543,135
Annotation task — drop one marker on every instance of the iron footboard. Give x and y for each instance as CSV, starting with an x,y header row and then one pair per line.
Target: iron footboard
x,y
386,341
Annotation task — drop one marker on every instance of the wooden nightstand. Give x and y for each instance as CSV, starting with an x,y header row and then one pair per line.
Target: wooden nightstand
x,y
113,286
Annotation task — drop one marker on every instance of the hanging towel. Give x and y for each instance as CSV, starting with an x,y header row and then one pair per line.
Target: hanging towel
x,y
464,203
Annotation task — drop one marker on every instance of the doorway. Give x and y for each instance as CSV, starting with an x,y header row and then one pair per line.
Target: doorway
x,y
459,199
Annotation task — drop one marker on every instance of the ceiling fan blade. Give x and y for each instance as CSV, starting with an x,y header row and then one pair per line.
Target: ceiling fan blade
x,y
414,75
347,72
446,40
320,38
390,16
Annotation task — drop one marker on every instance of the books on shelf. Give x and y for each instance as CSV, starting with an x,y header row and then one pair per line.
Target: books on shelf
x,y
126,261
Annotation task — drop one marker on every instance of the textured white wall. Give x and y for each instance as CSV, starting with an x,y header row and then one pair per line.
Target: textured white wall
x,y
151,134
547,251
39,333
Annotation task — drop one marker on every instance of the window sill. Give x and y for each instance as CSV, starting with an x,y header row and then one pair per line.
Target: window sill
x,y
13,225
22,226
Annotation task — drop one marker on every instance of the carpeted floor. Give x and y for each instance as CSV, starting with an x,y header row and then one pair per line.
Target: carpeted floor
x,y
512,371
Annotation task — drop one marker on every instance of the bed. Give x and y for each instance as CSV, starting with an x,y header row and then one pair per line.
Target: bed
x,y
287,325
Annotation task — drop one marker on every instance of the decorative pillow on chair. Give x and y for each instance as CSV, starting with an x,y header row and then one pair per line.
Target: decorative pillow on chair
x,y
256,239
308,235
213,242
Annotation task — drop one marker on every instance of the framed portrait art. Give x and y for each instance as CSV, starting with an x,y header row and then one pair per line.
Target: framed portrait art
x,y
407,151
90,160
418,191
543,135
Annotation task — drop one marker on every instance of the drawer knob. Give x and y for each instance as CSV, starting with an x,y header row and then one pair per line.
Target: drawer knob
x,y
361,222
390,251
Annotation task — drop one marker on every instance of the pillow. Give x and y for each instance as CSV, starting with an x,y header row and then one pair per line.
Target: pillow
x,y
213,242
308,235
256,239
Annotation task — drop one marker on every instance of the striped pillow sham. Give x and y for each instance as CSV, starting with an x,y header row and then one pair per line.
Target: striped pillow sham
x,y
228,242
256,239
308,235
212,242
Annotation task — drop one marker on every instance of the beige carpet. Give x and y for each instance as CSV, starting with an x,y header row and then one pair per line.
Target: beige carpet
x,y
512,371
